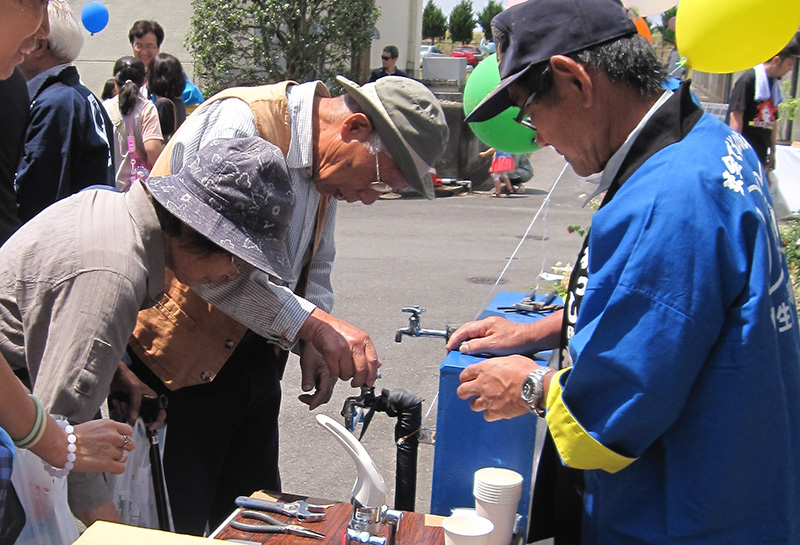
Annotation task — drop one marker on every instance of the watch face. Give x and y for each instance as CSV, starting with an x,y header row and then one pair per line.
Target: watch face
x,y
528,388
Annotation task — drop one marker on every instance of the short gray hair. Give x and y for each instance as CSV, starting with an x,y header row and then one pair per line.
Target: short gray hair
x,y
66,37
348,106
629,60
374,143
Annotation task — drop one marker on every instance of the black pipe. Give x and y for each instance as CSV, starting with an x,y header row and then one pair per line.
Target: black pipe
x,y
407,407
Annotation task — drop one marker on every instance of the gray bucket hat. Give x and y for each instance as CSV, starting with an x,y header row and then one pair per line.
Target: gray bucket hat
x,y
236,192
410,122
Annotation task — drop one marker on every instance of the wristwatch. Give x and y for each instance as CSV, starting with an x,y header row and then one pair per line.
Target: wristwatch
x,y
533,389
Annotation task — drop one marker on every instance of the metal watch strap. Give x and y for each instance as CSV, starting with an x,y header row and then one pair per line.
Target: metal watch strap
x,y
533,389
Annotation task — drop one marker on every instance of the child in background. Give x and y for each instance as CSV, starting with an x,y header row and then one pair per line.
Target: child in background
x,y
502,164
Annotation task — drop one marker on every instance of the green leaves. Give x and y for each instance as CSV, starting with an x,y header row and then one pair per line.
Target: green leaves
x,y
434,23
576,229
462,22
252,42
485,18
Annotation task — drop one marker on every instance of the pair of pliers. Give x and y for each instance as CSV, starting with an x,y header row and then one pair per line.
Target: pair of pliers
x,y
273,526
298,509
529,304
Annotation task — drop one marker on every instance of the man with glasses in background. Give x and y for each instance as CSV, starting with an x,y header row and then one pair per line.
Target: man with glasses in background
x,y
388,65
672,393
146,38
221,367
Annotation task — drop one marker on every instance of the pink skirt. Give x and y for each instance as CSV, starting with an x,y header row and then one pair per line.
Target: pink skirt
x,y
502,164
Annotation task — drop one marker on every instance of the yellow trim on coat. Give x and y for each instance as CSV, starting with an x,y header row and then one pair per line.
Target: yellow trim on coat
x,y
576,446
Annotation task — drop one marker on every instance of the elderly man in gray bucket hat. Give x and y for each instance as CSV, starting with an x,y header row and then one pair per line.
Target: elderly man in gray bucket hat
x,y
375,138
73,279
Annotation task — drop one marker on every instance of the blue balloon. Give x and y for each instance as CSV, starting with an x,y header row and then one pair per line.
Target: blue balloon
x,y
94,16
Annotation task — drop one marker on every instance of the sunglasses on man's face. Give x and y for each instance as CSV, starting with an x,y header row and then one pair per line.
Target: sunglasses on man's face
x,y
385,58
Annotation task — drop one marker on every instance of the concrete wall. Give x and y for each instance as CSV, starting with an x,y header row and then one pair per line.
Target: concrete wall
x,y
400,24
461,159
100,51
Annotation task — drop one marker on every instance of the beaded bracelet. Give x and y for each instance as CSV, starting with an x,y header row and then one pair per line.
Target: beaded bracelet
x,y
71,448
36,433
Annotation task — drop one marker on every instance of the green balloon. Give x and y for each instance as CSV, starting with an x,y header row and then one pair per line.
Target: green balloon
x,y
500,132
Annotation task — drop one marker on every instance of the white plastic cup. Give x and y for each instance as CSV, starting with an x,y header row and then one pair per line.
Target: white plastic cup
x,y
497,493
467,530
498,479
503,517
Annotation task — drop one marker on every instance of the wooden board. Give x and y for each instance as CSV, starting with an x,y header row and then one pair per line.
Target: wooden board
x,y
415,528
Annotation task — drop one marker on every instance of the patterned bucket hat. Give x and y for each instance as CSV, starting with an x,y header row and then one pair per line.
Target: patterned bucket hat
x,y
237,193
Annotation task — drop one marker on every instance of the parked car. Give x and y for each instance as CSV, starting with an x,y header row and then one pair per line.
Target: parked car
x,y
472,54
428,51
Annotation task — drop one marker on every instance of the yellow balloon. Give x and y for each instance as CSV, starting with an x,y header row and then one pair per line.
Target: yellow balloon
x,y
723,36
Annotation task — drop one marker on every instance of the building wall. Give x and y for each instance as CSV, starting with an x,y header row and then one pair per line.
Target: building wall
x,y
100,51
400,24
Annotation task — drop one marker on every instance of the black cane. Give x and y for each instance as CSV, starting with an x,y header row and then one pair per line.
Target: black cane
x,y
157,470
149,412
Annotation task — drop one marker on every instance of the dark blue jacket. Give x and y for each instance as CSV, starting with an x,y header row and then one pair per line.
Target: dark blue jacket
x,y
66,144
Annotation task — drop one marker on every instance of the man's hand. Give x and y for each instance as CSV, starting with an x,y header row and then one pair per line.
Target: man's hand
x,y
315,376
501,337
348,351
770,166
125,381
491,335
496,386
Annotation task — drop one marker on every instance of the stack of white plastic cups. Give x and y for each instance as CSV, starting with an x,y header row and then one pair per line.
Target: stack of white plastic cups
x,y
497,492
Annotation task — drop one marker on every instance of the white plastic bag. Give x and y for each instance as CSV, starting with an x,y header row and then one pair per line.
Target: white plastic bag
x,y
779,204
44,498
132,491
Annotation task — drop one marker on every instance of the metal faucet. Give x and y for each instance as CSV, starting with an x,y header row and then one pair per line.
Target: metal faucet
x,y
368,522
414,329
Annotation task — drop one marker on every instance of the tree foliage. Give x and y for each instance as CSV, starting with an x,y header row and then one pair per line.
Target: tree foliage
x,y
485,18
462,22
252,42
434,23
667,34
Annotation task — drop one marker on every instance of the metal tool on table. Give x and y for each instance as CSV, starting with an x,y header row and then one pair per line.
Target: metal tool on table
x,y
298,509
530,304
272,526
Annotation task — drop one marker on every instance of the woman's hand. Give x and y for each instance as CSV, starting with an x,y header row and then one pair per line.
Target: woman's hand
x,y
102,446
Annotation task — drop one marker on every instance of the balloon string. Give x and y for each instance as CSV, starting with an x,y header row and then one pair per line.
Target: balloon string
x,y
546,201
682,63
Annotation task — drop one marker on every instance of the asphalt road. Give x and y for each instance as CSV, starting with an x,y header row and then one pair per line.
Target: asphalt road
x,y
444,255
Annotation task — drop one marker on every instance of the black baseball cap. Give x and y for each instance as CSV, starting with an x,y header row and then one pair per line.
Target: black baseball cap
x,y
530,33
792,49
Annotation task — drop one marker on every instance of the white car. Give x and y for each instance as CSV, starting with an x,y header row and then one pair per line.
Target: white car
x,y
428,51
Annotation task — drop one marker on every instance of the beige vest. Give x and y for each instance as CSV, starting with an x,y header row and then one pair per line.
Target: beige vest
x,y
184,340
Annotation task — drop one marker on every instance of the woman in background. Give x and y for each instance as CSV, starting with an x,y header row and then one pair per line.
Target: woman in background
x,y
165,84
109,89
99,445
137,131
